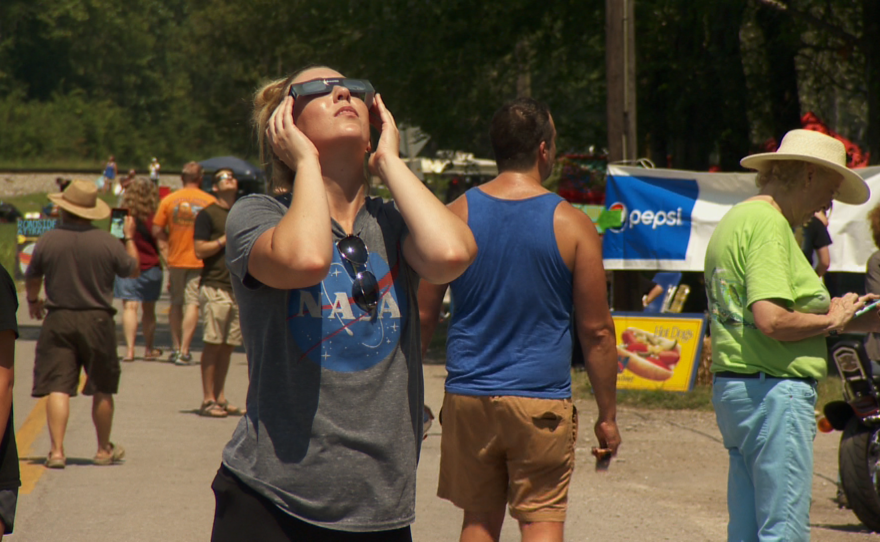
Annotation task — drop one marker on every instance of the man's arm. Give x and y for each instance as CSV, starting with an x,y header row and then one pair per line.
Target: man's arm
x,y
431,295
206,249
32,287
594,325
202,244
430,303
823,257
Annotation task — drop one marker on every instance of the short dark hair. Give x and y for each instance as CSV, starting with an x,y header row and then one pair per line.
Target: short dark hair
x,y
192,173
516,132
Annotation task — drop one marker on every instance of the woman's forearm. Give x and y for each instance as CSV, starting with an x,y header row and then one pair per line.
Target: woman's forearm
x,y
306,227
784,325
442,240
297,252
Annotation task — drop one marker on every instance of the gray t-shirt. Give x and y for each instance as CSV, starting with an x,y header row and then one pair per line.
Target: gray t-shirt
x,y
334,406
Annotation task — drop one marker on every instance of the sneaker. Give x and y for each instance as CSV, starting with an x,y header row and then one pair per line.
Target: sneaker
x,y
183,359
173,357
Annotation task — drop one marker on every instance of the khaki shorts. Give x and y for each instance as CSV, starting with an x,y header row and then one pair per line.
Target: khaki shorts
x,y
184,285
506,449
73,339
219,316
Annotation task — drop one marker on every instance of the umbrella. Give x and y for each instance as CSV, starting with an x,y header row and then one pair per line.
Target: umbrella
x,y
250,177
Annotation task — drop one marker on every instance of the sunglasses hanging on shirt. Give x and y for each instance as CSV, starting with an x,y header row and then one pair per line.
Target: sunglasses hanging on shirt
x,y
365,287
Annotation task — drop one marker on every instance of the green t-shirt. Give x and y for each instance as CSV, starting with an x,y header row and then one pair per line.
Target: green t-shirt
x,y
752,256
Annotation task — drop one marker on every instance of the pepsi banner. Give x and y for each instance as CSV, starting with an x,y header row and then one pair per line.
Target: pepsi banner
x,y
666,216
663,218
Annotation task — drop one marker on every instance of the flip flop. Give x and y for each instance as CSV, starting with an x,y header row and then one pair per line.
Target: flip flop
x,y
128,360
153,354
55,462
116,454
211,409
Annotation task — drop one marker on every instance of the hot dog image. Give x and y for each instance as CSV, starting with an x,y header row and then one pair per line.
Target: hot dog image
x,y
647,355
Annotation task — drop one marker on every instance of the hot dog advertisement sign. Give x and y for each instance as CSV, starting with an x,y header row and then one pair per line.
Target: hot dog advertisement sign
x,y
658,352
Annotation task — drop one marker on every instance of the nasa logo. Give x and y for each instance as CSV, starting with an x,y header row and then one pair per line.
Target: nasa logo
x,y
333,332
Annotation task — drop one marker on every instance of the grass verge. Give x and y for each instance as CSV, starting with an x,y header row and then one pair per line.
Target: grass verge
x,y
700,398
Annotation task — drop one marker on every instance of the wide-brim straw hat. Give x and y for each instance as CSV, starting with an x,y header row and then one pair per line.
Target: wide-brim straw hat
x,y
81,198
820,149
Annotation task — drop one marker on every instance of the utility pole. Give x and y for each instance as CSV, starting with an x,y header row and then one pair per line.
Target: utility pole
x,y
620,67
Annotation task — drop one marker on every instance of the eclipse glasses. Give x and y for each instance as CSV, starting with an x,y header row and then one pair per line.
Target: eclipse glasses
x,y
359,88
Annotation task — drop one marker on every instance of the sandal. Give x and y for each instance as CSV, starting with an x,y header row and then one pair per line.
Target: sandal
x,y
116,454
210,409
153,355
55,462
231,410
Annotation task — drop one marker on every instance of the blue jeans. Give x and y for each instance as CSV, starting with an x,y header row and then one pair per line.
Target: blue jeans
x,y
768,426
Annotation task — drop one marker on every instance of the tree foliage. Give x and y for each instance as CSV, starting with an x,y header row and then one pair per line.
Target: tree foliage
x,y
80,79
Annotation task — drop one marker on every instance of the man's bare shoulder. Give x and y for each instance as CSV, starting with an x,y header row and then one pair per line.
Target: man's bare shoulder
x,y
459,207
573,219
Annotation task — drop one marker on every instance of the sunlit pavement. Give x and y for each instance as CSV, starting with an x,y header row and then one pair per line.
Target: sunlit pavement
x,y
667,484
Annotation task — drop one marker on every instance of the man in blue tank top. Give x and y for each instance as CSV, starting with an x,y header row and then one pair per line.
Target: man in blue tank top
x,y
509,425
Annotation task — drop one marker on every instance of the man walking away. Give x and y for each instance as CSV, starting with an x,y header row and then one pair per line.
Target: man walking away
x,y
509,425
222,332
177,213
79,263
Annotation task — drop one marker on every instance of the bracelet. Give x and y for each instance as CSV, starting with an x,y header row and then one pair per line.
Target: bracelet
x,y
127,239
32,301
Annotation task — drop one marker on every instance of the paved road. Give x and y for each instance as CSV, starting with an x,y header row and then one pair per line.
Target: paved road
x,y
667,485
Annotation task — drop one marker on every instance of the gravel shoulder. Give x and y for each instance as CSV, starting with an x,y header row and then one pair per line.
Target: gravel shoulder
x,y
21,184
669,481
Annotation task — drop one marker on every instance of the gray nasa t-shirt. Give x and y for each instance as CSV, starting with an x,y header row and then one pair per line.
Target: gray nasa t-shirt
x,y
334,406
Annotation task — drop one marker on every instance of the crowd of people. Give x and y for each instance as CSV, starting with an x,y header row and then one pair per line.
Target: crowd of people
x,y
335,294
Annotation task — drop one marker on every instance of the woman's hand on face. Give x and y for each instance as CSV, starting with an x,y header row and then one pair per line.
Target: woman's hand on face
x,y
389,136
844,308
287,141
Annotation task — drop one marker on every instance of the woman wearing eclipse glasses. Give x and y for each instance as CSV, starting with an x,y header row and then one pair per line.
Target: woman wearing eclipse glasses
x,y
326,280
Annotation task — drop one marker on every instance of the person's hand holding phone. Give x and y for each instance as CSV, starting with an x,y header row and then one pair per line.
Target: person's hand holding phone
x,y
117,222
129,227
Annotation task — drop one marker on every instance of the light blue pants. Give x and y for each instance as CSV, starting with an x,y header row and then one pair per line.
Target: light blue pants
x,y
768,426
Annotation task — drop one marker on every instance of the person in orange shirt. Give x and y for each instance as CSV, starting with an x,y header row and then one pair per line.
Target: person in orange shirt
x,y
173,228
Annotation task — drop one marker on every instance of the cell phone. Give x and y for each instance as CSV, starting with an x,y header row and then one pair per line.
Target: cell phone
x,y
868,308
603,459
117,220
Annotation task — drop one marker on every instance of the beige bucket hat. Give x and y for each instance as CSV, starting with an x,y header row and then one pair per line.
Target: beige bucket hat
x,y
820,149
81,198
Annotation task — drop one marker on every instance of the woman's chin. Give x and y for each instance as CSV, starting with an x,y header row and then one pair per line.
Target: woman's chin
x,y
343,140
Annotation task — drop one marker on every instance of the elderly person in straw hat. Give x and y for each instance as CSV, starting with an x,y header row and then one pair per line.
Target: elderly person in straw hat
x,y
79,263
770,316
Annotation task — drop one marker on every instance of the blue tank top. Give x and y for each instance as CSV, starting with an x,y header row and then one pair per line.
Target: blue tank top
x,y
510,332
